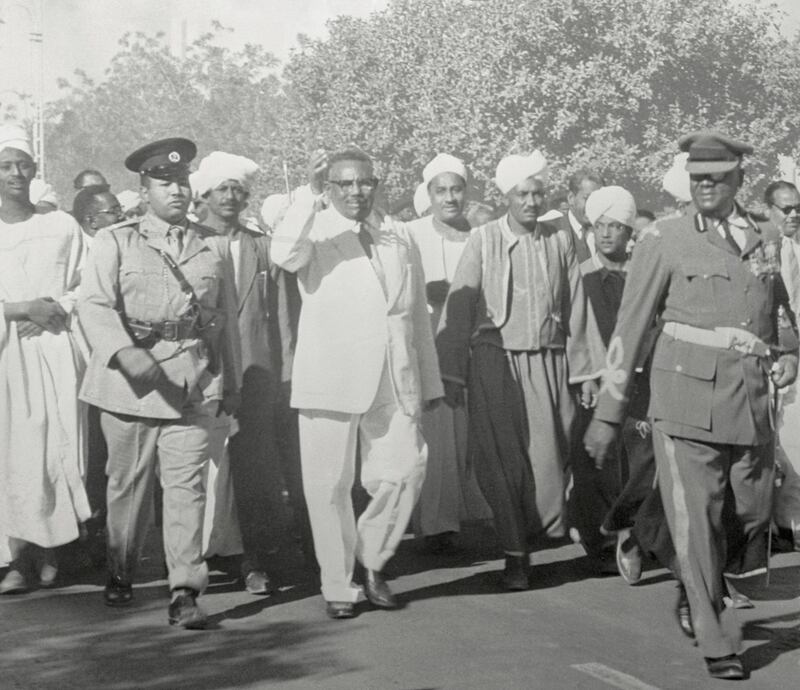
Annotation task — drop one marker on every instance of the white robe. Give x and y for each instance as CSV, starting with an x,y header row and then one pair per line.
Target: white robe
x,y
42,423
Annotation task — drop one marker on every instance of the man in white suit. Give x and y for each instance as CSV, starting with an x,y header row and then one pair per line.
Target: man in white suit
x,y
365,362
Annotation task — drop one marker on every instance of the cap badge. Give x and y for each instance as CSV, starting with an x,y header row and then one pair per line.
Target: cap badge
x,y
174,157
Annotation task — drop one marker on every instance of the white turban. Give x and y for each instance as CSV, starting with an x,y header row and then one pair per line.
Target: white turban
x,y
274,209
15,137
444,163
128,200
514,169
219,166
613,202
422,200
676,180
41,192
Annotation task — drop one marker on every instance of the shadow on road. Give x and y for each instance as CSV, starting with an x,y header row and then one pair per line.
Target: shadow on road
x,y
784,584
84,648
778,641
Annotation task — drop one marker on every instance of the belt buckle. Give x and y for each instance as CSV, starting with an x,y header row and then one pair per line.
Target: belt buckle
x,y
169,330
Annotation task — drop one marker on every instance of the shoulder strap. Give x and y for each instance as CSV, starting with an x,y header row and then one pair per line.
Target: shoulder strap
x,y
173,267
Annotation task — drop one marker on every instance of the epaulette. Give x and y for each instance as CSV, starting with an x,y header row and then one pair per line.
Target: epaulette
x,y
123,224
652,230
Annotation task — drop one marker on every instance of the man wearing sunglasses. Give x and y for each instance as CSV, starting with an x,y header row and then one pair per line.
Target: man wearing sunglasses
x,y
365,361
713,278
96,208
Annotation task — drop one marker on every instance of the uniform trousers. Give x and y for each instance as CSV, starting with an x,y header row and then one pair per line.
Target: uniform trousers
x,y
180,450
694,478
393,456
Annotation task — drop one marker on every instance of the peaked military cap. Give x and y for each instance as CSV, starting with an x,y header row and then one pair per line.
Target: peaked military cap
x,y
711,151
163,159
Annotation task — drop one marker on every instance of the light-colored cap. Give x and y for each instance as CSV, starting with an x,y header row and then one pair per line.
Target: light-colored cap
x,y
514,169
217,167
613,202
15,137
444,163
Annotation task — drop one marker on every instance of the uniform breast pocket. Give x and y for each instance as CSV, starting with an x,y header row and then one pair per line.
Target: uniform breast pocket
x,y
683,383
142,283
707,286
207,289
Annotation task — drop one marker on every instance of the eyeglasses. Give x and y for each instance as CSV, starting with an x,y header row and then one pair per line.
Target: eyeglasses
x,y
786,210
714,177
366,185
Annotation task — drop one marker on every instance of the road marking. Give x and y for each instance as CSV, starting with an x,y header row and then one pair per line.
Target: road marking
x,y
613,677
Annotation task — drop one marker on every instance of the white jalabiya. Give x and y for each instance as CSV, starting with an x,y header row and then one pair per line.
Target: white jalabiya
x,y
450,493
42,423
787,500
221,535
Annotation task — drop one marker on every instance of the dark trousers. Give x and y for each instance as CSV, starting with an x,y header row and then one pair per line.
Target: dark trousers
x,y
594,491
638,506
265,459
96,465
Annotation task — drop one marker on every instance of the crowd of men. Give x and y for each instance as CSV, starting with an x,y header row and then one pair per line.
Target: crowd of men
x,y
608,378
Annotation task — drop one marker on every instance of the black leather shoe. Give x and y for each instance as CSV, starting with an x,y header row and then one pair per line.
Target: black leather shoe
x,y
339,610
684,613
726,668
378,592
184,611
515,574
118,592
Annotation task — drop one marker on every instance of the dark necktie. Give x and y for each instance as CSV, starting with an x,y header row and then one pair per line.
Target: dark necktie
x,y
366,240
726,229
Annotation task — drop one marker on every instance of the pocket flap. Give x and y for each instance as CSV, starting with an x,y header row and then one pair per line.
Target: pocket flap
x,y
685,358
695,268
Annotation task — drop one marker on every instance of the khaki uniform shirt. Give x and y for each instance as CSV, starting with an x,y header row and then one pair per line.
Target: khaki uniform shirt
x,y
126,278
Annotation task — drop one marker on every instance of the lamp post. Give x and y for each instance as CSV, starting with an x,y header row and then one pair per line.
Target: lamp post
x,y
34,9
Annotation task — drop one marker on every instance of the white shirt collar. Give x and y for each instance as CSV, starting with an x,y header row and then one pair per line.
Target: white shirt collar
x,y
577,228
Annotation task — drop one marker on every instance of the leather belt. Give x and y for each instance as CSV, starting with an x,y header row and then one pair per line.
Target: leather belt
x,y
171,331
723,337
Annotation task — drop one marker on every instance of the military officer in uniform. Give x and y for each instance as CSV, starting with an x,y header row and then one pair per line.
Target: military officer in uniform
x,y
158,305
713,278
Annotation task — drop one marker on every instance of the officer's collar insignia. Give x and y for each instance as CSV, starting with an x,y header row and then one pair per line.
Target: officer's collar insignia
x,y
700,222
174,157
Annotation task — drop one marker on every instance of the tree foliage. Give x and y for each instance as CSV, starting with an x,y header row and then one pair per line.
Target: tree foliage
x,y
219,98
607,84
610,85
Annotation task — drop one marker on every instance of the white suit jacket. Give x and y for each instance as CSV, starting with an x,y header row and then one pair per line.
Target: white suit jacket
x,y
352,320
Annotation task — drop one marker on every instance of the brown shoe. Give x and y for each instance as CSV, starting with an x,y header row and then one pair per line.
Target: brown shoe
x,y
628,557
339,610
184,611
683,613
378,592
118,592
726,668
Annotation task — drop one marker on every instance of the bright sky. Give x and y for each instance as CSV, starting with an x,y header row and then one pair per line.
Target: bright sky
x,y
83,34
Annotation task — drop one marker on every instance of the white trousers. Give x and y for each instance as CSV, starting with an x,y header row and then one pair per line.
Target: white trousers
x,y
393,456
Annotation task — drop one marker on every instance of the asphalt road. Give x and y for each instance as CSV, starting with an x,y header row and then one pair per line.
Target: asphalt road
x,y
457,630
